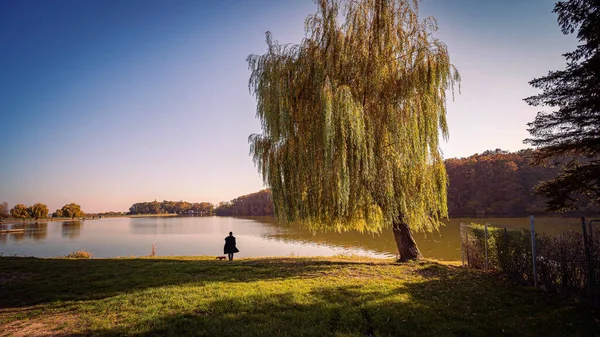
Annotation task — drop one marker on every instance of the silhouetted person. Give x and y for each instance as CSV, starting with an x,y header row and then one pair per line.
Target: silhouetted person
x,y
230,247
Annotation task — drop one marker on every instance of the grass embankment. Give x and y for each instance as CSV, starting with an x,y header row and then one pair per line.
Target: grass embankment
x,y
275,296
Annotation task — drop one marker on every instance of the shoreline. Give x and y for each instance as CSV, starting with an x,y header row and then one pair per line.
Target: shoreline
x,y
9,221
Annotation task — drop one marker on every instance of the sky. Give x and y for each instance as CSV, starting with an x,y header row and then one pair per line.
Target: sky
x,y
108,103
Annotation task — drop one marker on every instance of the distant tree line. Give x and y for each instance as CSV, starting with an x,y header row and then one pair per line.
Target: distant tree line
x,y
39,211
173,207
36,211
109,213
258,203
494,183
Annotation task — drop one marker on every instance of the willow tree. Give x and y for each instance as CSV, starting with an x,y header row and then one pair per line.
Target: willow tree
x,y
351,120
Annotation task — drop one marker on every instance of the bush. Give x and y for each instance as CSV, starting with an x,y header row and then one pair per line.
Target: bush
x,y
560,260
80,254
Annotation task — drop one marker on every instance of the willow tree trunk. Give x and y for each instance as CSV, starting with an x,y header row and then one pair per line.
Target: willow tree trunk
x,y
407,247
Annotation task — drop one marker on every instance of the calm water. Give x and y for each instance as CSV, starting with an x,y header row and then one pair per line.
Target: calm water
x,y
257,236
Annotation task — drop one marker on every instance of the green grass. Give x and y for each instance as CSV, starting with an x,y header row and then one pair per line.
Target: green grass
x,y
344,296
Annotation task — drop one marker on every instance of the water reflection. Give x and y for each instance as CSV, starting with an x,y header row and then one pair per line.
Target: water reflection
x,y
259,236
381,243
443,244
36,231
71,229
157,225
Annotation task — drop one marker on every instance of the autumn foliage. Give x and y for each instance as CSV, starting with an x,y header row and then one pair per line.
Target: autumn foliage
x,y
500,183
258,203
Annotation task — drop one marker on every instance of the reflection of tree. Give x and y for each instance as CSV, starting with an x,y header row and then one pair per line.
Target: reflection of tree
x,y
18,236
37,231
443,244
71,229
379,243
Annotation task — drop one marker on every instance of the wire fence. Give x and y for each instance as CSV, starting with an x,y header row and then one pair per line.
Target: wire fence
x,y
567,263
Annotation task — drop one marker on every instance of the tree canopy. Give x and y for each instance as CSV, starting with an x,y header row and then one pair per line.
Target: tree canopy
x,y
38,211
71,210
19,211
351,118
572,129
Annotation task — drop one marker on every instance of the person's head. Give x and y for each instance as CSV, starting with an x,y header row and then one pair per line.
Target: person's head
x,y
230,233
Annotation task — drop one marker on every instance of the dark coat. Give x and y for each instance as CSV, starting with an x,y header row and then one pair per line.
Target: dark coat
x,y
230,245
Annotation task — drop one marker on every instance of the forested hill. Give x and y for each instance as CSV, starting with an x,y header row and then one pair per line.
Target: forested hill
x,y
493,183
499,182
258,203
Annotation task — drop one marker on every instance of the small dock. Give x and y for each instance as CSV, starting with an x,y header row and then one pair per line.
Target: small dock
x,y
6,231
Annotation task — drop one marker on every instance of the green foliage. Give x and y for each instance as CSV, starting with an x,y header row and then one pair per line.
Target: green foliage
x,y
560,259
19,211
4,212
177,207
573,128
58,214
112,213
351,118
508,251
38,211
71,210
273,297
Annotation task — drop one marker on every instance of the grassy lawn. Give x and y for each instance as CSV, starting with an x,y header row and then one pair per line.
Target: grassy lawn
x,y
275,296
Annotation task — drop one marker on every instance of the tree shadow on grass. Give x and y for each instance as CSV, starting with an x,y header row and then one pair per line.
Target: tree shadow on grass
x,y
441,301
32,281
429,308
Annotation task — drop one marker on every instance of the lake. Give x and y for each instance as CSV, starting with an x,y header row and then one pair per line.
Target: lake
x,y
256,237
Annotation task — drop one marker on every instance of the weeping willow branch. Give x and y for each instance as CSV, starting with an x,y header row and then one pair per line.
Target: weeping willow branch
x,y
351,118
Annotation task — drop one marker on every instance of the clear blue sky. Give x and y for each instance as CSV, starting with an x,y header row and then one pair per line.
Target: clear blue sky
x,y
107,103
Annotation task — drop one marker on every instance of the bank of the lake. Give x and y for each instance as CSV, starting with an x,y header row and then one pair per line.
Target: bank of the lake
x,y
60,219
347,296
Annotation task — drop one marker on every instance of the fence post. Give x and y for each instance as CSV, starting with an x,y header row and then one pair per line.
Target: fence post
x,y
533,252
467,245
486,246
586,246
505,257
590,234
462,246
595,286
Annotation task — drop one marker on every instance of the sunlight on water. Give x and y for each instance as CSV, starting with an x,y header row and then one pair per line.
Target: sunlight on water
x,y
256,237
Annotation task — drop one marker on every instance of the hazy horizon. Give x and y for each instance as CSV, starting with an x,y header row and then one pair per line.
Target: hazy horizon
x,y
109,103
